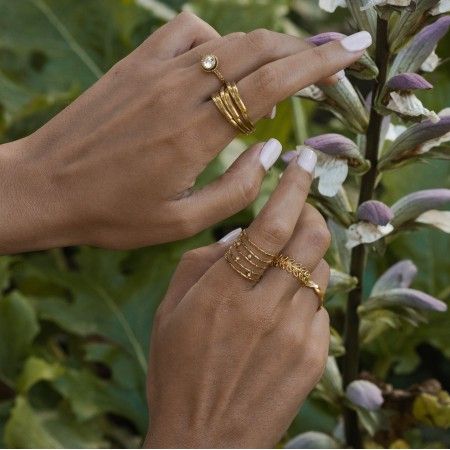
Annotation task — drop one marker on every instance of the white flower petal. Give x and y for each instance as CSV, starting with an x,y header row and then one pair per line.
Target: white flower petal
x,y
372,3
442,7
394,131
158,8
410,106
436,218
366,233
331,172
331,5
430,63
312,92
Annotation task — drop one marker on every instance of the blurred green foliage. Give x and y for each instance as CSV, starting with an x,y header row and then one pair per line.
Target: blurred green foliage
x,y
75,323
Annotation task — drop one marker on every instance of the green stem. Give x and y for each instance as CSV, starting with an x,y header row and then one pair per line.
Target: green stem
x,y
359,254
300,129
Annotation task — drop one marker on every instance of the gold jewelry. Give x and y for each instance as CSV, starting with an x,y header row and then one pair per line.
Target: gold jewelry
x,y
248,259
209,64
300,273
228,100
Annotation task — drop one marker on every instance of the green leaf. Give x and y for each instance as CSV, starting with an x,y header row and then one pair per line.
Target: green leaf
x,y
35,370
18,328
25,429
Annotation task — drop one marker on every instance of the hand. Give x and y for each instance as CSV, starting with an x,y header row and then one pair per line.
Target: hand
x,y
231,362
116,168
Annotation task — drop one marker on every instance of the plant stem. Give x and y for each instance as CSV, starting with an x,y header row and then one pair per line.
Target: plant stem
x,y
359,253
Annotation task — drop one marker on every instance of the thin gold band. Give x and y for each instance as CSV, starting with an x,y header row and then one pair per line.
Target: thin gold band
x,y
247,258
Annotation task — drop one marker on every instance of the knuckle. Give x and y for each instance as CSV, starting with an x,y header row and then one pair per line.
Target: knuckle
x,y
275,232
249,190
293,339
260,40
187,16
319,58
320,236
267,79
236,35
261,319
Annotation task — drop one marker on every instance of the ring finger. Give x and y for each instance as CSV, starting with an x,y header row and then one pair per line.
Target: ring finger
x,y
307,247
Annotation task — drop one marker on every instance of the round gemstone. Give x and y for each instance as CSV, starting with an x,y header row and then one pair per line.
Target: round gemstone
x,y
209,62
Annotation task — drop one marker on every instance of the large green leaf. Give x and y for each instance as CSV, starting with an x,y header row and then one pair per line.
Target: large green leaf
x,y
18,328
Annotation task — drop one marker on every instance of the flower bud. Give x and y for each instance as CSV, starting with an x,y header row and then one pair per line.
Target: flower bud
x,y
366,19
411,298
400,275
287,157
413,56
409,23
375,212
364,394
413,205
409,143
408,82
335,145
345,102
312,439
340,282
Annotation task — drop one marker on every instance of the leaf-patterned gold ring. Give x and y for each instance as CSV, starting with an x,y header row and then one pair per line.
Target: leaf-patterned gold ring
x,y
300,273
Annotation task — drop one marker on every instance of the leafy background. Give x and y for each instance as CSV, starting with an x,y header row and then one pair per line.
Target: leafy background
x,y
75,323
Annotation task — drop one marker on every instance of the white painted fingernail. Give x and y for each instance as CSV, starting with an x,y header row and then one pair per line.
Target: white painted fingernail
x,y
231,236
307,159
270,153
357,42
273,114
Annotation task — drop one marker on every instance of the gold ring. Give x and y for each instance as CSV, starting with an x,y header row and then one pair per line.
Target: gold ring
x,y
248,259
300,273
228,100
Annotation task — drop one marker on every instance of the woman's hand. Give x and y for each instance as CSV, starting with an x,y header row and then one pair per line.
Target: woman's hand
x,y
231,362
116,168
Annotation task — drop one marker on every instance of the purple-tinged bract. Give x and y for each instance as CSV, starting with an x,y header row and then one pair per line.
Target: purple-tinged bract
x,y
375,212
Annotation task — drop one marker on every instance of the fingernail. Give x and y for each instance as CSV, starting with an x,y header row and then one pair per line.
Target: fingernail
x,y
307,159
270,153
357,42
231,236
274,112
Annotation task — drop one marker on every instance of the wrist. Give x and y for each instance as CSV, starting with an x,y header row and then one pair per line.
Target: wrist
x,y
33,215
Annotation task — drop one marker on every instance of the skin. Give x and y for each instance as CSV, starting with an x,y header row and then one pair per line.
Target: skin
x,y
224,350
116,168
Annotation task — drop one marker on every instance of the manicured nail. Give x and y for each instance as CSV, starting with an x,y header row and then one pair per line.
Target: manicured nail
x,y
274,112
270,153
231,236
307,159
357,42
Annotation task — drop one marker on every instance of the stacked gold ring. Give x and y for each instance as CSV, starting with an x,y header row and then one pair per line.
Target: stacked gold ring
x,y
228,100
248,259
300,273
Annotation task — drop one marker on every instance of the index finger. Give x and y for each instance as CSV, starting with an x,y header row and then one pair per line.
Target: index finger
x,y
280,79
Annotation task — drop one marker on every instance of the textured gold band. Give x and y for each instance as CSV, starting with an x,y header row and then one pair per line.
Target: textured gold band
x,y
248,259
300,273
